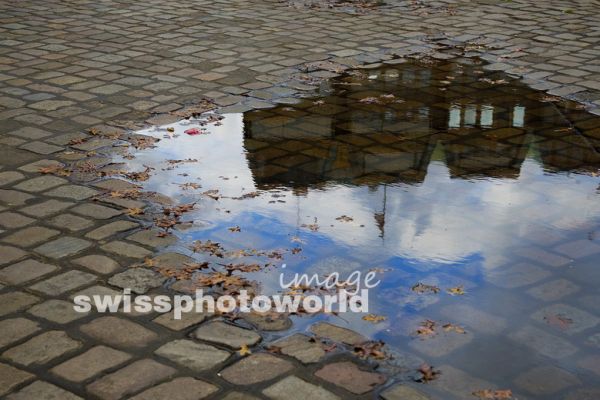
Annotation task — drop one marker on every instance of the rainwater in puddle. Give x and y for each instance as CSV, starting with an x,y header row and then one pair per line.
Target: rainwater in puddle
x,y
439,175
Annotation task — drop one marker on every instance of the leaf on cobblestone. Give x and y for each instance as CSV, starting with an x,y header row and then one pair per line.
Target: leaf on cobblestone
x,y
143,142
244,350
489,394
55,170
132,212
213,248
139,176
126,194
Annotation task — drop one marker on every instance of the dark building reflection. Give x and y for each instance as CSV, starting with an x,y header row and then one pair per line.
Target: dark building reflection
x,y
478,126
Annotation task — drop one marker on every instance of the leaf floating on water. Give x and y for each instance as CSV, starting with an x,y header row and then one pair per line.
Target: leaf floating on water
x,y
374,318
426,329
234,229
370,349
456,291
345,218
453,328
423,288
427,373
213,248
244,350
489,394
558,320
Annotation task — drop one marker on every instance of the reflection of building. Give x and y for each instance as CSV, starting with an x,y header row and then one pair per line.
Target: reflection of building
x,y
361,134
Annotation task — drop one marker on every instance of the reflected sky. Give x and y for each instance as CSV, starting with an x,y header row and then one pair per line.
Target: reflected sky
x,y
449,176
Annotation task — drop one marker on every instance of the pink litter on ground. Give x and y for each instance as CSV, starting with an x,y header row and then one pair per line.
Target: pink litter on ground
x,y
194,131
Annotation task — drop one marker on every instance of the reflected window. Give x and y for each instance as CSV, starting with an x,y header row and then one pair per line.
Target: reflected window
x,y
518,120
471,115
454,117
486,120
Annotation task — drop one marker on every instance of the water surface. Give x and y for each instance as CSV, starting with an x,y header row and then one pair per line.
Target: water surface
x,y
450,177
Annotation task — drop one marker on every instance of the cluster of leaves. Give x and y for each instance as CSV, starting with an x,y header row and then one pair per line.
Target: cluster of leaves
x,y
428,328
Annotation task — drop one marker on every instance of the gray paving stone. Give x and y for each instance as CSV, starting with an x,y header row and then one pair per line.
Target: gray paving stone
x,y
9,254
96,211
301,347
74,192
133,378
226,334
139,280
30,236
349,376
150,238
8,177
196,356
179,389
70,222
553,290
337,333
63,247
294,388
187,319
256,368
46,208
43,391
403,392
11,377
13,198
111,229
42,349
11,220
14,329
64,283
16,301
119,332
40,183
91,363
25,271
57,311
98,263
126,249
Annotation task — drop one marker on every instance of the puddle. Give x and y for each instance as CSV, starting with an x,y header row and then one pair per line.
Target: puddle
x,y
436,174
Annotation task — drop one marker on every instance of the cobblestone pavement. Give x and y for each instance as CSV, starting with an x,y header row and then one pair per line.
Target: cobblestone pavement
x,y
67,66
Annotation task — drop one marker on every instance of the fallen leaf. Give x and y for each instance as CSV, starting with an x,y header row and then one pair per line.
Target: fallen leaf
x,y
244,350
374,318
427,372
132,212
489,394
234,229
456,291
453,328
423,288
370,349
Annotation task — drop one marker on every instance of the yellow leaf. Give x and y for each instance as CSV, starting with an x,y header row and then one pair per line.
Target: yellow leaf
x,y
374,318
456,291
244,350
